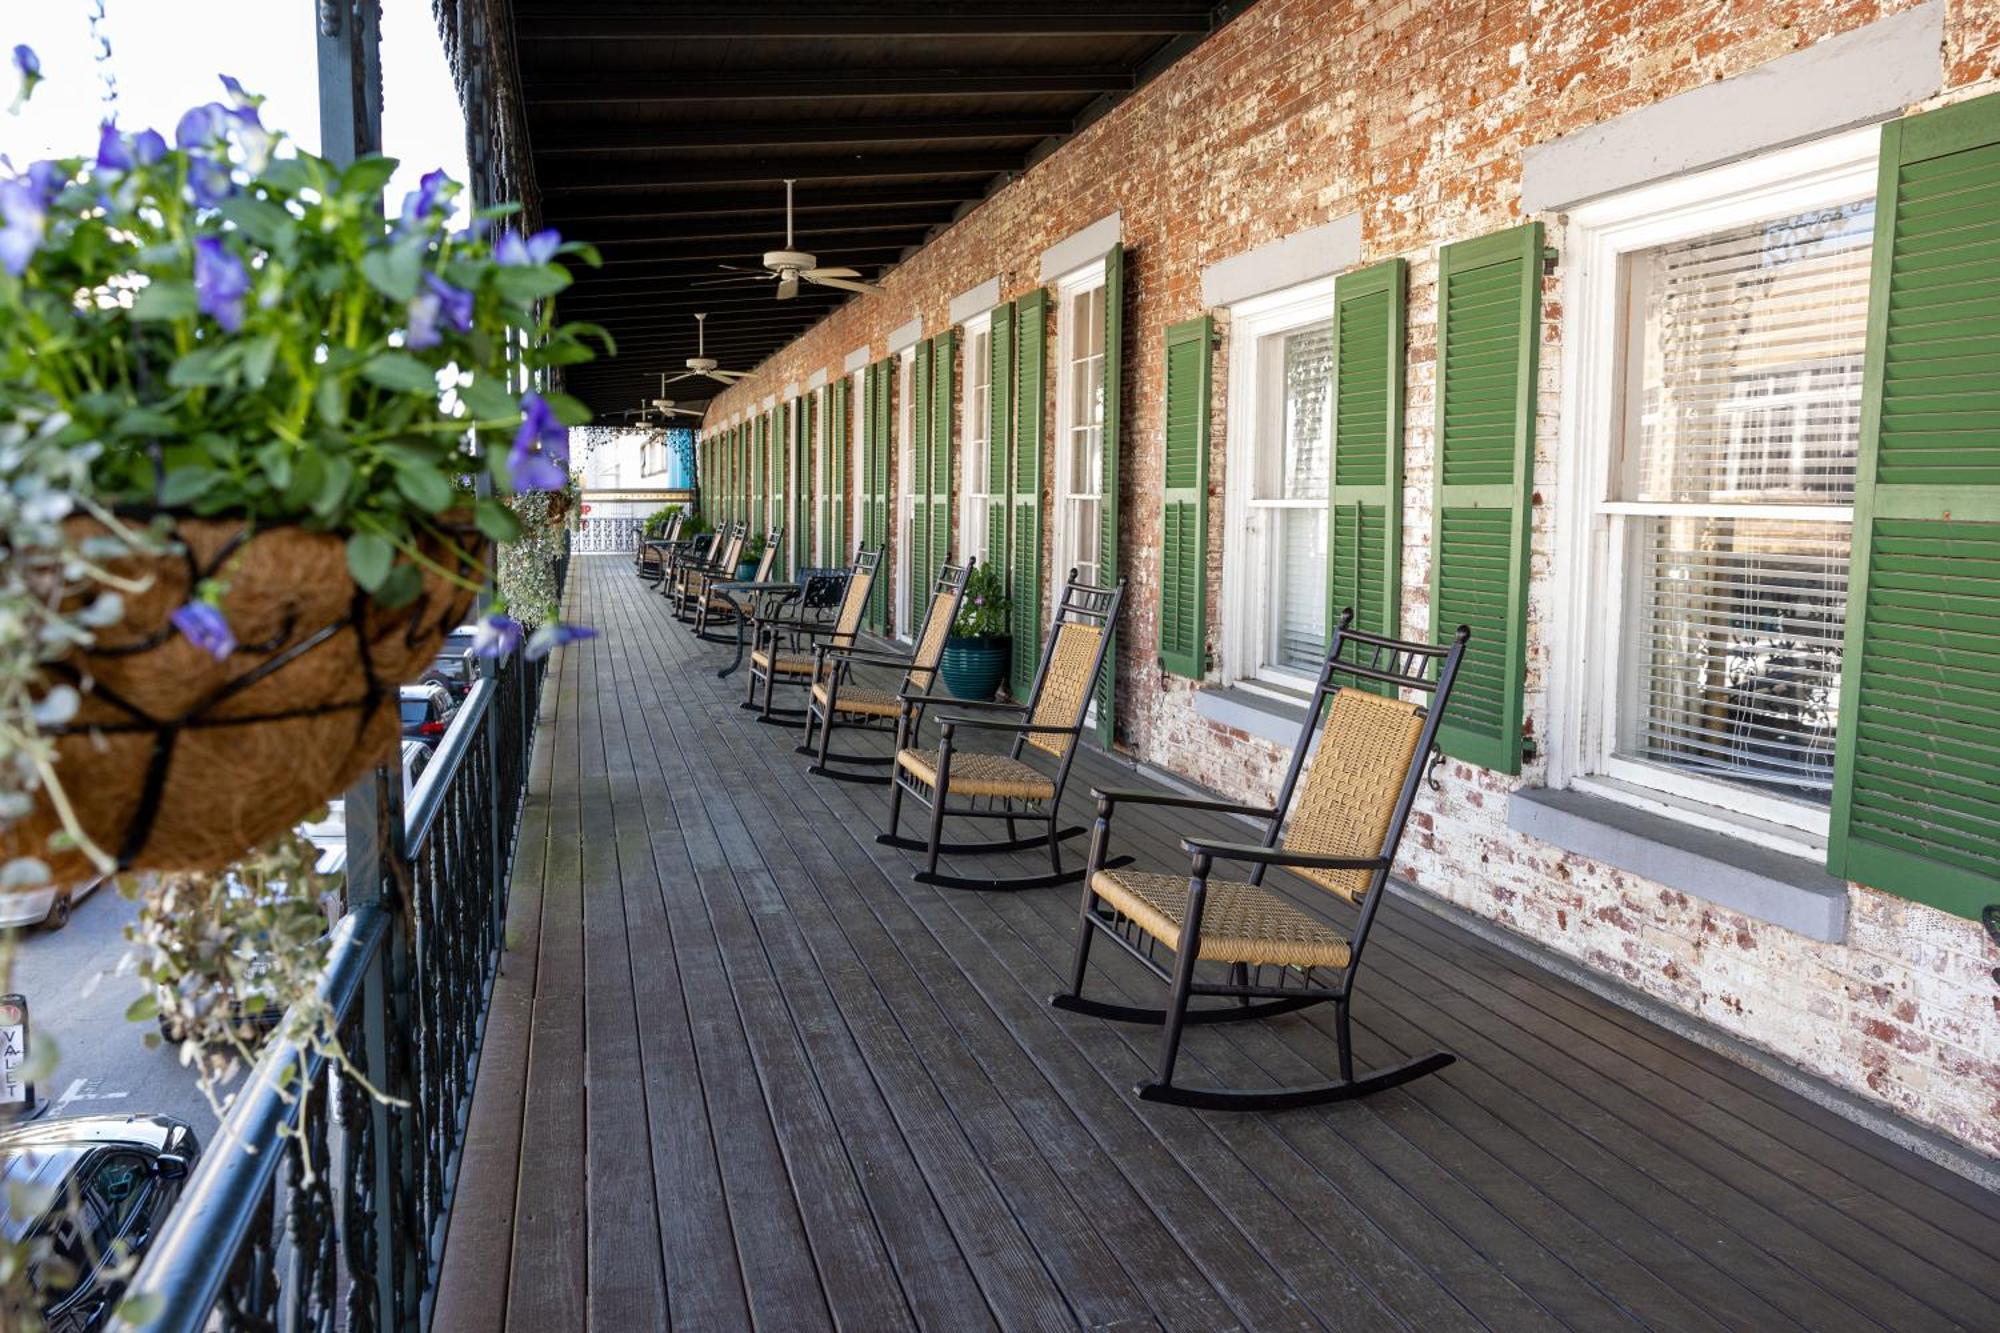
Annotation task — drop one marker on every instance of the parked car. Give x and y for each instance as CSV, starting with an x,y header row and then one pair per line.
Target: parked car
x,y
427,711
112,1179
47,906
455,671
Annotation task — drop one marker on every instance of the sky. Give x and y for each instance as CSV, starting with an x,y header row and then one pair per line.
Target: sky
x,y
166,56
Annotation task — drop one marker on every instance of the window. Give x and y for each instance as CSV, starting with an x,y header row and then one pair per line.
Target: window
x,y
857,465
1280,436
1079,426
652,454
1720,423
906,482
977,399
822,480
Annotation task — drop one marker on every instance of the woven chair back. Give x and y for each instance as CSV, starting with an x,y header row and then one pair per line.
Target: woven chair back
x,y
1366,747
772,541
937,625
732,551
1066,686
856,602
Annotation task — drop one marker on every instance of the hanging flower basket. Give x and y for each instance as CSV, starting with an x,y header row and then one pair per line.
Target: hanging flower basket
x,y
177,760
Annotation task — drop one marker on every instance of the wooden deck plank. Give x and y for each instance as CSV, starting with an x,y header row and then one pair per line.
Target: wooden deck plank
x,y
840,1097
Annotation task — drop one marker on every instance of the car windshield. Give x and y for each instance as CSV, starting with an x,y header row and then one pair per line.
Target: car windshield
x,y
415,711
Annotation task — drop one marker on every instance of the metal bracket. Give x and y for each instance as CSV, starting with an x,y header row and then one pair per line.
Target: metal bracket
x,y
1431,773
329,17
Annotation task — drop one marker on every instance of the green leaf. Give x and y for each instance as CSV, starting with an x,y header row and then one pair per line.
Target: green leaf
x,y
490,400
261,220
164,300
308,476
525,285
368,559
394,270
290,175
425,488
330,401
275,459
401,587
367,175
583,250
184,484
144,1009
400,371
143,421
570,411
333,487
497,521
258,355
201,367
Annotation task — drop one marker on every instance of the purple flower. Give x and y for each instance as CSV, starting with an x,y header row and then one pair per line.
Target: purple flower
x,y
23,219
147,146
202,126
513,252
26,62
209,181
48,178
244,101
528,470
205,628
430,199
220,282
438,298
113,152
498,636
551,637
539,425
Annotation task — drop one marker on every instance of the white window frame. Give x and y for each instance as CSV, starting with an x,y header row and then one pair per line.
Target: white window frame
x,y
1062,542
973,499
822,464
904,508
857,458
1256,422
1589,604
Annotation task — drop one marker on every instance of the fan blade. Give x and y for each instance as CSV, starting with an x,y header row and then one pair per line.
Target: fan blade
x,y
683,412
789,287
684,375
815,274
746,280
726,376
738,268
842,283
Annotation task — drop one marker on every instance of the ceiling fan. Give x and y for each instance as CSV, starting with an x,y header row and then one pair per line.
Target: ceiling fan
x,y
662,407
702,363
789,267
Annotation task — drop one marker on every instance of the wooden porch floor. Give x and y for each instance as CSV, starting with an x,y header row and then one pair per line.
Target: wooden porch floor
x,y
742,1072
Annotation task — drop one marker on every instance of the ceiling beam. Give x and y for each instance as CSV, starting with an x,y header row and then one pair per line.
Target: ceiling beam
x,y
762,202
686,23
657,240
609,138
670,86
627,177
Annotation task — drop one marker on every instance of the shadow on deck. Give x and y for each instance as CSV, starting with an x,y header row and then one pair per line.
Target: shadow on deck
x,y
741,1071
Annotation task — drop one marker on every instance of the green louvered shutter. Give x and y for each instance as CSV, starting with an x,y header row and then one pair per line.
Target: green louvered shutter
x,y
1916,804
1107,504
1184,500
919,484
1030,396
943,348
880,415
804,483
837,549
1365,505
1489,321
999,436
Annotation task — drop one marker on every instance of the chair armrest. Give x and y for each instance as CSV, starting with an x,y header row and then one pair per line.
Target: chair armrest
x,y
946,724
861,655
1279,856
981,705
1109,796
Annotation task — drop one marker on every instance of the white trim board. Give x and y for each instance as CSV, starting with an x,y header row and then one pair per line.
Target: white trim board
x,y
1867,75
1079,248
815,380
1285,262
856,359
909,335
791,390
770,401
970,305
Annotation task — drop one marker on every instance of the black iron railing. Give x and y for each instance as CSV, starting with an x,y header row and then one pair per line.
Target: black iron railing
x,y
318,1205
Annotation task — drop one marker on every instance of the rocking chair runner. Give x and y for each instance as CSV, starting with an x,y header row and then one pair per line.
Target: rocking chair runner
x,y
836,700
1051,722
780,651
649,561
1342,837
723,559
711,607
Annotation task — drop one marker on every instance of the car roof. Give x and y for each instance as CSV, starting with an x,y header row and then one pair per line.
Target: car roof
x,y
87,1131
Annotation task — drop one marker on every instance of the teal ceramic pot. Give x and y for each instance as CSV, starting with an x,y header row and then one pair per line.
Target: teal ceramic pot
x,y
974,667
746,571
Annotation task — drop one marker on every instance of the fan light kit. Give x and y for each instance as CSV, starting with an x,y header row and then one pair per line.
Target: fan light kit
x,y
789,267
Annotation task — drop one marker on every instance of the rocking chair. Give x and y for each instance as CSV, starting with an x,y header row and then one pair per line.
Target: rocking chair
x,y
1013,790
650,559
720,563
836,700
1342,838
781,648
711,607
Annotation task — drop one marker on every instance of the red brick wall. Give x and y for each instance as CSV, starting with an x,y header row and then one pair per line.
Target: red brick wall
x,y
1415,114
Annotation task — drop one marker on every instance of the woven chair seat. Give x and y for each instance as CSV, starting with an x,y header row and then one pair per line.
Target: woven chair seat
x,y
978,774
854,699
782,664
1240,923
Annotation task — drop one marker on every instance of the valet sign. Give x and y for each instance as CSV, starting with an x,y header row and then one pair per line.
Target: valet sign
x,y
14,1051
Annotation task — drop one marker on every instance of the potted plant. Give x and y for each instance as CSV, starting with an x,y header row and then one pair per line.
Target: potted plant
x,y
241,415
975,653
746,564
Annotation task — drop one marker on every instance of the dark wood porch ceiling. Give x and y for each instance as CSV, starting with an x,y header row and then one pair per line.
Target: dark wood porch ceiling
x,y
663,134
